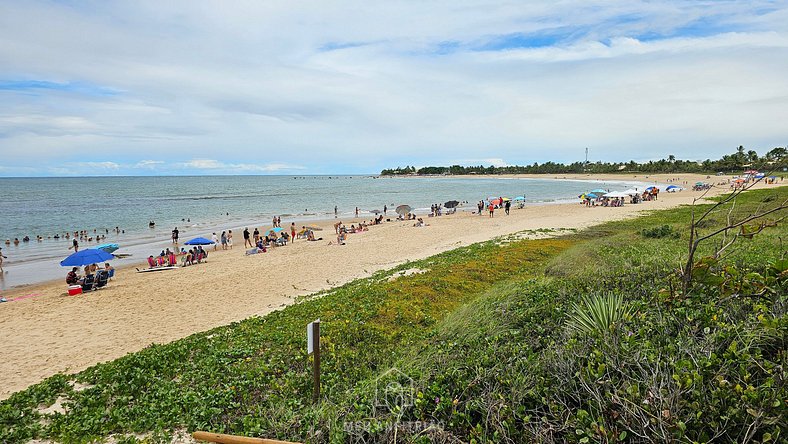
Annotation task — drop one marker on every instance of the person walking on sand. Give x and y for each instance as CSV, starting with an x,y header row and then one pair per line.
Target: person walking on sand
x,y
224,240
175,235
506,207
1,260
491,209
230,239
292,232
215,240
246,238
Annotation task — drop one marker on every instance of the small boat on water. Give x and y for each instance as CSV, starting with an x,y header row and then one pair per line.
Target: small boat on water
x,y
109,248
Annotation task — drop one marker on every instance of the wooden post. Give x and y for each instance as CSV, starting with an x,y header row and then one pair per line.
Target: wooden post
x,y
316,362
232,439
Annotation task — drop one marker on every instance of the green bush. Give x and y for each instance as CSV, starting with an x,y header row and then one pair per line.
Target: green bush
x,y
659,232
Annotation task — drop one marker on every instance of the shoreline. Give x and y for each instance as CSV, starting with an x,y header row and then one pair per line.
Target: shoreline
x,y
38,262
52,333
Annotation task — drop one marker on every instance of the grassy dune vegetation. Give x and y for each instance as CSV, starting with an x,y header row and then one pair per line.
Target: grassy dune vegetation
x,y
581,338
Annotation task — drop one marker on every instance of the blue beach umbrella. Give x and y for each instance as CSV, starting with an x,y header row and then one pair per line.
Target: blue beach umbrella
x,y
86,257
274,230
199,241
519,198
109,248
673,187
599,191
591,195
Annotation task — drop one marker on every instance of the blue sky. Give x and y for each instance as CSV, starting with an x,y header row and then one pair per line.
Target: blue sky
x,y
193,87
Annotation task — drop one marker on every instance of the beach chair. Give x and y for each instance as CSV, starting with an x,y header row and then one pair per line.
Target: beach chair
x,y
88,283
101,278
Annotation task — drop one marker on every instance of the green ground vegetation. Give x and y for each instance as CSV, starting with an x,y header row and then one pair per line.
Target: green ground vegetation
x,y
585,337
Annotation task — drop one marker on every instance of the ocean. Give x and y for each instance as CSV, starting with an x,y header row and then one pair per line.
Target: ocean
x,y
201,205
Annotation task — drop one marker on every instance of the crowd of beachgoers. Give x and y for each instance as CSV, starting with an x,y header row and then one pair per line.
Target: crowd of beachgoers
x,y
75,236
261,240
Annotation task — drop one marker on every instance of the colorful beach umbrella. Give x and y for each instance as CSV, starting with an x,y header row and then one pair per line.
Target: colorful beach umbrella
x,y
199,241
109,248
86,257
273,230
403,209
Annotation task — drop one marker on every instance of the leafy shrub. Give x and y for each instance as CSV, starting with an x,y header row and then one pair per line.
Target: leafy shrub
x,y
659,232
597,315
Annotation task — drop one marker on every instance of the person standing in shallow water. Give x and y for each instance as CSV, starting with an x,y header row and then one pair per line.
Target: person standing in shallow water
x,y
336,214
75,245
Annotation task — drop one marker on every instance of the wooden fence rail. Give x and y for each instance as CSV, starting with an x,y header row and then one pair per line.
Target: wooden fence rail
x,y
219,438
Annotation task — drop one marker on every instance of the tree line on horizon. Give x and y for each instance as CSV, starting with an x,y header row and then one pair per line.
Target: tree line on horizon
x,y
729,163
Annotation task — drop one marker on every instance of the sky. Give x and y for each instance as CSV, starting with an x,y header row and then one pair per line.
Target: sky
x,y
331,87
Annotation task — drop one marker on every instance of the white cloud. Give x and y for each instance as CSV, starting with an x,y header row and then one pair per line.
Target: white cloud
x,y
97,165
148,164
215,165
330,87
204,164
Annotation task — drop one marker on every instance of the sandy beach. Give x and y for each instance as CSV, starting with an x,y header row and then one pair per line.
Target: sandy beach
x,y
46,331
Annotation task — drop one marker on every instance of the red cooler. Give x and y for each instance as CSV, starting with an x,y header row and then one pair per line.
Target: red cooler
x,y
74,290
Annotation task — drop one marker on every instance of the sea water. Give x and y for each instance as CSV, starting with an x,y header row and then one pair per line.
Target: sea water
x,y
201,205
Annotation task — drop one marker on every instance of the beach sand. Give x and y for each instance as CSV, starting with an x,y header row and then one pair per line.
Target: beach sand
x,y
48,331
